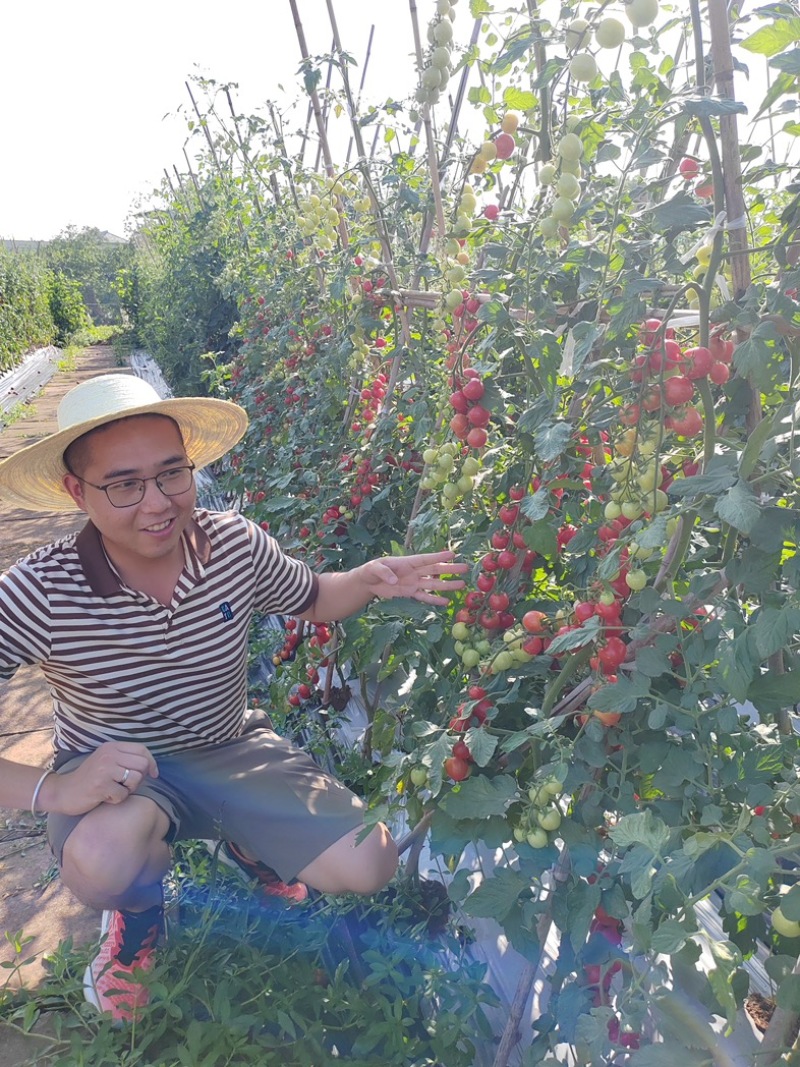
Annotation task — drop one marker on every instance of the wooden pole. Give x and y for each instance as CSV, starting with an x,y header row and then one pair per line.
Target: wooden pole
x,y
361,84
460,94
433,159
326,105
323,137
722,57
195,183
377,209
205,128
245,154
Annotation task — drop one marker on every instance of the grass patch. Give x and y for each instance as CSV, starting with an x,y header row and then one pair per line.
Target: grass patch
x,y
339,980
16,413
95,335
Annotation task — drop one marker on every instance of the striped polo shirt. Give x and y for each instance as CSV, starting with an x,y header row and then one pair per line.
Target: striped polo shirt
x,y
123,667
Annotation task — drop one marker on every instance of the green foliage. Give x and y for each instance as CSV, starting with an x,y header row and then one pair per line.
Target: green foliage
x,y
25,316
242,982
66,306
173,294
93,261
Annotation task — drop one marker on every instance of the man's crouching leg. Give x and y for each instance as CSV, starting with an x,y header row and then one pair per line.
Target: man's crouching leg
x,y
118,854
350,866
115,859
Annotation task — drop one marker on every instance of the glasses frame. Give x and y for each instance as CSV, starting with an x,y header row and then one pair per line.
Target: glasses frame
x,y
143,482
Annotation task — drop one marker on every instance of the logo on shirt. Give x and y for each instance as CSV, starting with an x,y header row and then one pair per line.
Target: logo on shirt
x,y
226,610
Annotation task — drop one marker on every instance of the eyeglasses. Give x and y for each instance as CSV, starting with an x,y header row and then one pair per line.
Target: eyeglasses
x,y
129,491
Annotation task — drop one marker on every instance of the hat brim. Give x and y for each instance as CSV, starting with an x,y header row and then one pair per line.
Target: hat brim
x,y
33,477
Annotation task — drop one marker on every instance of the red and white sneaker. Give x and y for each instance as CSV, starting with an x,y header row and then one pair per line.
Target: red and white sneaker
x,y
268,880
113,979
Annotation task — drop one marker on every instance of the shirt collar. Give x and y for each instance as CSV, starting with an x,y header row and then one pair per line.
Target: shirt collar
x,y
103,581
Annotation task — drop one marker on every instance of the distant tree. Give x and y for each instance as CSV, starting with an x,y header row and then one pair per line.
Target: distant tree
x,y
93,259
66,305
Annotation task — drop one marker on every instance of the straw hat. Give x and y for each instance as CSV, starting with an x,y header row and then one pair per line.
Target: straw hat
x,y
31,478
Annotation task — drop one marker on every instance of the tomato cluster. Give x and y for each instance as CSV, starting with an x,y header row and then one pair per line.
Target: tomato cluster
x,y
471,417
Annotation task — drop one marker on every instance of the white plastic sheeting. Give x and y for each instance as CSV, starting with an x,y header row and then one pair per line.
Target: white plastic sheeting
x,y
24,381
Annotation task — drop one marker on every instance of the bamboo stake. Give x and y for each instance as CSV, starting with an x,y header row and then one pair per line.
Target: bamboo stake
x,y
361,83
779,1033
195,183
433,161
732,170
376,205
459,101
326,106
282,148
323,137
181,186
205,128
244,153
511,1032
377,211
304,142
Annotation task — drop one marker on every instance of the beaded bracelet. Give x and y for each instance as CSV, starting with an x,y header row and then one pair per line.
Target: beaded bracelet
x,y
35,796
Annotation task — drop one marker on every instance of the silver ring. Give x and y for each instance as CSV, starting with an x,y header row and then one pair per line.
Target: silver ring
x,y
125,777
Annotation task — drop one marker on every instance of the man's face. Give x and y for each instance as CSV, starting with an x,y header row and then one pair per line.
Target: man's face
x,y
141,447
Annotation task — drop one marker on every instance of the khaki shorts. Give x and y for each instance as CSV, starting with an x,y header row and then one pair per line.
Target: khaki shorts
x,y
257,789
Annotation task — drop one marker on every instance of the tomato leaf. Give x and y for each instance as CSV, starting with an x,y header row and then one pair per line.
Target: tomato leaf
x,y
479,797
576,638
790,904
681,212
789,993
519,99
552,439
720,475
739,507
719,979
736,666
706,106
481,744
769,40
774,628
772,693
665,1056
670,937
641,828
536,505
496,896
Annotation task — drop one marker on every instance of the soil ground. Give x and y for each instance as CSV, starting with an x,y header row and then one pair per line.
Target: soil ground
x,y
32,898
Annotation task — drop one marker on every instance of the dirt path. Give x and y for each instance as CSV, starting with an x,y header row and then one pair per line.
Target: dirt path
x,y
32,899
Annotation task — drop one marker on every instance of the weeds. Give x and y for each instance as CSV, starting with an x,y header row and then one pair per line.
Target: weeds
x,y
240,981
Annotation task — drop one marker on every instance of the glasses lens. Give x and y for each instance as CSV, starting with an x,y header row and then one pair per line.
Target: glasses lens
x,y
124,494
175,481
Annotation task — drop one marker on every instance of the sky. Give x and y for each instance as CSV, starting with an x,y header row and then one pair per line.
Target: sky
x,y
91,90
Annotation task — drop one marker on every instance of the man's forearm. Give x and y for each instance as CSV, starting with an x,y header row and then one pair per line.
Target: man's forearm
x,y
17,783
340,594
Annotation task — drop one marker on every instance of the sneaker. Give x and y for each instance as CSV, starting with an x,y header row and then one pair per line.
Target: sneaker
x,y
269,882
112,981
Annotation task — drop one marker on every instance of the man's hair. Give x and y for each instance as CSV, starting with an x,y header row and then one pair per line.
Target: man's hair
x,y
77,455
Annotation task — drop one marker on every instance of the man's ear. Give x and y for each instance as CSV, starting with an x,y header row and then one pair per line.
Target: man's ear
x,y
74,486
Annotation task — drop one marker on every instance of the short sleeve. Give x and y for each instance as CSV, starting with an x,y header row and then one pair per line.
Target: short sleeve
x,y
284,585
25,620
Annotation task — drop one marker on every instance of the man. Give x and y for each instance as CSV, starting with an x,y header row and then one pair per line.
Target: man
x,y
140,624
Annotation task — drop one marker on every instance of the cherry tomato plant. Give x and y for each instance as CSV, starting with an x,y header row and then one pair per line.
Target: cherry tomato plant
x,y
565,344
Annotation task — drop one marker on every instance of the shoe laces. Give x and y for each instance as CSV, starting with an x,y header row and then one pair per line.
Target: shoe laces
x,y
139,931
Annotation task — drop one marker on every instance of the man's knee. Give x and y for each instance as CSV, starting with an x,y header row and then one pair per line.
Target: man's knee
x,y
353,866
112,846
379,867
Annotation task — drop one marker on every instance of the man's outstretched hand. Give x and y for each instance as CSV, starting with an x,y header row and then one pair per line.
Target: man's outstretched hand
x,y
418,576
